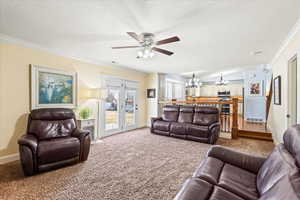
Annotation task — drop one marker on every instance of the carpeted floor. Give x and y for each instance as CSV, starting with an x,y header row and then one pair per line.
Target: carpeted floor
x,y
135,165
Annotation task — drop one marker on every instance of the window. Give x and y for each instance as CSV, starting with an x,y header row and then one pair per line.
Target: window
x,y
174,89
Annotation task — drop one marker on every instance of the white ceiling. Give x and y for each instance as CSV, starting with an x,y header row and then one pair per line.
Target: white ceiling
x,y
216,35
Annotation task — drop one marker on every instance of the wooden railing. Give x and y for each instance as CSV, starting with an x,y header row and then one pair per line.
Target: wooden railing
x,y
228,121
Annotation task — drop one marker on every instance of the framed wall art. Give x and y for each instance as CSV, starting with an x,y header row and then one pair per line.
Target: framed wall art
x,y
151,93
256,88
277,90
51,88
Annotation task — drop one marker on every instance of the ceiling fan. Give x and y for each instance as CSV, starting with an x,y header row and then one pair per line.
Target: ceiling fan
x,y
148,44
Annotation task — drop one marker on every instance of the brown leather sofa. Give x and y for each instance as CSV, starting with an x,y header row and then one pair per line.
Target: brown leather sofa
x,y
229,175
52,140
198,123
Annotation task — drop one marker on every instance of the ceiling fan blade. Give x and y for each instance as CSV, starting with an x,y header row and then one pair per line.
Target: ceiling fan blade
x,y
163,51
134,35
125,47
168,40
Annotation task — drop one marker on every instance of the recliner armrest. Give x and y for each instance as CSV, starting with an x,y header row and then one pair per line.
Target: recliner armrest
x,y
153,119
213,125
85,142
30,141
238,159
80,134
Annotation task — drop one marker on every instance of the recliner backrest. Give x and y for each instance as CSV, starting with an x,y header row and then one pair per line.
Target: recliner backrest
x,y
186,114
170,113
279,176
47,123
205,115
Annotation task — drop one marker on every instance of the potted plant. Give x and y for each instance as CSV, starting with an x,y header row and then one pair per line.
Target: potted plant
x,y
85,113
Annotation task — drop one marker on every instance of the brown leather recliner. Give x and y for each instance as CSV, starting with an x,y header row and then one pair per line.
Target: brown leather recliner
x,y
198,123
52,140
230,175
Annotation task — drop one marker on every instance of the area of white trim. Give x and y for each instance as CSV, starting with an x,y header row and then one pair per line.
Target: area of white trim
x,y
9,158
295,29
16,41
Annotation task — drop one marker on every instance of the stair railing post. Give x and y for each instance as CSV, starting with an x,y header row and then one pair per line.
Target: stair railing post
x,y
234,130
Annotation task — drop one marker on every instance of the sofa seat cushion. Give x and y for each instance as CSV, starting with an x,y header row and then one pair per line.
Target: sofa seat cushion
x,y
239,181
178,128
58,149
197,189
166,133
194,189
222,194
231,178
162,125
197,130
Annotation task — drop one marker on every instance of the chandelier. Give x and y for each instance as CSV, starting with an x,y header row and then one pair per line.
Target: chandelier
x,y
193,82
221,81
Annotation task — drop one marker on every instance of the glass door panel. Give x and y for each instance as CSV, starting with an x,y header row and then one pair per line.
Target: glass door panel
x,y
130,108
112,109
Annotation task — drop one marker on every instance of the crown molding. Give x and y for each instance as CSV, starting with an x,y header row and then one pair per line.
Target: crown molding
x,y
295,29
16,41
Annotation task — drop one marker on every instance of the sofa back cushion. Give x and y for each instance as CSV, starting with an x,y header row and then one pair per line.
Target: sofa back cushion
x,y
170,113
278,165
186,114
279,176
286,188
51,123
205,115
291,140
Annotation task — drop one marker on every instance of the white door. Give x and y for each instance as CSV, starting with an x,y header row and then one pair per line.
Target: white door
x,y
120,106
292,92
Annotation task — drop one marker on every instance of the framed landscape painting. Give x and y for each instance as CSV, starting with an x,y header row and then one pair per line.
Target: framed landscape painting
x,y
52,88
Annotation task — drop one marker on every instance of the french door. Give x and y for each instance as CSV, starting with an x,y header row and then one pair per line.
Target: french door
x,y
120,106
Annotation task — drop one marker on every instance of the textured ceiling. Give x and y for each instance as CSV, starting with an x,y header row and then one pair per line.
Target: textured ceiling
x,y
216,35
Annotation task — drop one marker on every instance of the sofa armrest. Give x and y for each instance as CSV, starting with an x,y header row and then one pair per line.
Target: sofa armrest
x,y
80,134
214,132
153,119
238,159
213,125
85,142
30,141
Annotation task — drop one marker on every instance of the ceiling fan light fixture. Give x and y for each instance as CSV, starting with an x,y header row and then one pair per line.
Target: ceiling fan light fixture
x,y
146,41
145,53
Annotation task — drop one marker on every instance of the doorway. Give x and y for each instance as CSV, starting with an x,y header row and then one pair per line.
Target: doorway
x,y
292,91
120,106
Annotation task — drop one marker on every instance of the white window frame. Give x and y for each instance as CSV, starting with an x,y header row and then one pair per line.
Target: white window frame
x,y
174,83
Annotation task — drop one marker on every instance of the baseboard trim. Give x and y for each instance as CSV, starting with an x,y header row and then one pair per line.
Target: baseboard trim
x,y
9,158
15,156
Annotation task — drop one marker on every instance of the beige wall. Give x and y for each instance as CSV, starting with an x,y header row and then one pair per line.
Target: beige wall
x,y
236,89
152,104
277,121
15,90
